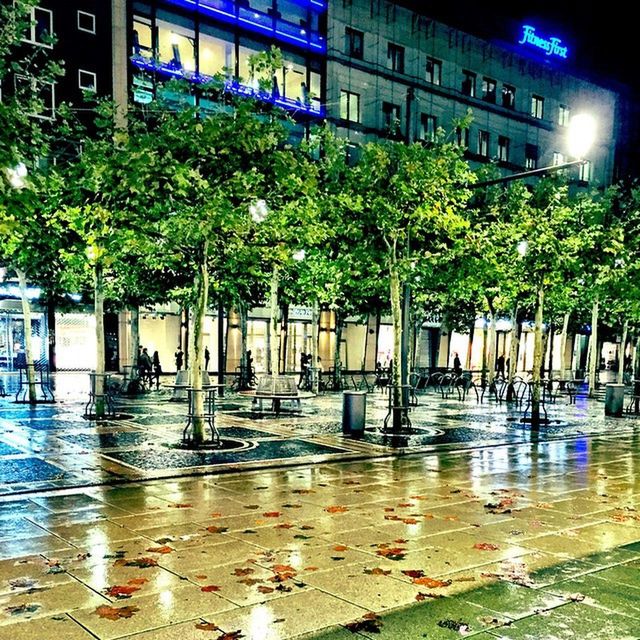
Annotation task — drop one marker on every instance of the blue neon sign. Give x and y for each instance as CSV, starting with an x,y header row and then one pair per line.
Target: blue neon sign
x,y
551,46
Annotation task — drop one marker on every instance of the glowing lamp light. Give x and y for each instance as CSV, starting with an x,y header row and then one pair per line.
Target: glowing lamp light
x,y
581,134
258,210
523,247
299,255
17,176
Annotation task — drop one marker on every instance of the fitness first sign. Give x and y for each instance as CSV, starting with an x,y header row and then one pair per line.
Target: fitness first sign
x,y
550,46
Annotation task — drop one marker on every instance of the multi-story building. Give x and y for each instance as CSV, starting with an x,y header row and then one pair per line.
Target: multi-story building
x,y
370,67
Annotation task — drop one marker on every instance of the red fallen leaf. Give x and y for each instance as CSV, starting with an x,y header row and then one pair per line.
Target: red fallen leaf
x,y
311,568
336,509
250,581
432,583
207,626
418,497
340,547
243,572
543,505
413,573
141,563
271,514
283,568
180,505
118,591
388,509
138,581
377,571
163,549
216,514
201,577
392,553
284,525
210,588
115,613
485,546
406,504
282,577
263,589
409,521
428,516
233,635
400,541
214,529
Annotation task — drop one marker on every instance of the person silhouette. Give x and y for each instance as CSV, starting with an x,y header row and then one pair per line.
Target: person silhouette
x,y
207,357
457,365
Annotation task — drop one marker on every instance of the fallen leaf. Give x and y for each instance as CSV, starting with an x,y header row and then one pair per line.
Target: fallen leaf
x,y
210,588
163,549
272,514
264,589
206,626
409,521
454,625
138,581
369,622
250,581
400,541
180,505
311,568
214,529
423,596
115,613
23,583
406,504
20,609
233,635
283,568
340,547
291,506
377,571
118,591
392,553
413,573
303,492
431,582
485,546
284,525
306,527
142,563
201,577
251,506
336,509
243,571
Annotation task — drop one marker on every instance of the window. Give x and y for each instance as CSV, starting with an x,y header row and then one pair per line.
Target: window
x,y
558,158
503,148
41,29
508,96
537,107
86,80
586,171
469,83
86,22
462,137
483,143
489,90
176,46
142,37
428,126
434,71
530,156
350,106
395,56
391,117
563,115
353,43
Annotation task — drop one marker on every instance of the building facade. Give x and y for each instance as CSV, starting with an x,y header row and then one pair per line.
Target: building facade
x,y
370,67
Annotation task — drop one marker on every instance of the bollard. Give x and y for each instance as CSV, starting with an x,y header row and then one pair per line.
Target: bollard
x,y
354,412
614,400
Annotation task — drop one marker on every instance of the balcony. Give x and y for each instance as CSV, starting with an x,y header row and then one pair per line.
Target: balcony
x,y
240,14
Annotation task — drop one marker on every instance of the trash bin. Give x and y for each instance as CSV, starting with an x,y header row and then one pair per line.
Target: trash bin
x,y
354,412
614,400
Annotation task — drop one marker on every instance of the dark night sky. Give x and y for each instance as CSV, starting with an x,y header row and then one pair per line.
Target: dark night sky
x,y
603,38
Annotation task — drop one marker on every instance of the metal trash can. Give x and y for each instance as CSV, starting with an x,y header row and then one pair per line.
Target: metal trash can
x,y
614,400
354,412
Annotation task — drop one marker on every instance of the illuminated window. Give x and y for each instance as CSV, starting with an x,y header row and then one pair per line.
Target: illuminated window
x,y
86,22
395,57
294,77
586,171
488,90
537,107
216,55
503,148
483,143
434,71
531,156
468,83
558,158
428,126
350,106
176,46
41,28
86,80
563,115
353,43
142,39
508,96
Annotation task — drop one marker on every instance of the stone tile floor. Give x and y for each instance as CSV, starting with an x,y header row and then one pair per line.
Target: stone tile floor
x,y
485,530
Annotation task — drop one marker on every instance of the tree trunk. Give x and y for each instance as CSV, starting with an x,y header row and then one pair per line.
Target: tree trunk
x,y
135,339
513,352
472,329
245,374
563,345
594,357
315,321
28,346
623,349
51,330
196,365
274,340
538,355
491,345
99,316
551,334
485,340
284,338
396,314
636,358
337,363
545,345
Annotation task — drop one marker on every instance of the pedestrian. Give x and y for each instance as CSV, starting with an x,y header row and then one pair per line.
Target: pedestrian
x,y
145,366
251,378
305,362
157,369
457,365
207,357
179,356
500,366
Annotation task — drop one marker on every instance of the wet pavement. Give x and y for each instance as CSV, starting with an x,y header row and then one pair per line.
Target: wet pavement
x,y
473,526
